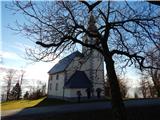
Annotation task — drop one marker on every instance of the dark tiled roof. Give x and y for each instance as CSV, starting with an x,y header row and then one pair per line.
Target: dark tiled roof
x,y
78,80
63,64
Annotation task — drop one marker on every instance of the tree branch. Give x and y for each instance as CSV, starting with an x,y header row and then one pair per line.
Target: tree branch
x,y
92,6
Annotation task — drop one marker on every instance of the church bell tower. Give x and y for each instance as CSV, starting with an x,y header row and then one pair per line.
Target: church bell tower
x,y
94,66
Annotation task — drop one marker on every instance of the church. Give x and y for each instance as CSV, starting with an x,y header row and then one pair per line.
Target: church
x,y
78,73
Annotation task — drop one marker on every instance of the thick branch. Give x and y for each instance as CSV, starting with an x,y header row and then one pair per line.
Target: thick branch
x,y
92,6
138,58
50,45
154,2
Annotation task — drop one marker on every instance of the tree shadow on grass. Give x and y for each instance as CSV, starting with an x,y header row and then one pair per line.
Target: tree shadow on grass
x,y
51,102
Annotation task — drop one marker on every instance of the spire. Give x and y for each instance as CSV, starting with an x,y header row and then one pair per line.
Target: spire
x,y
91,24
92,28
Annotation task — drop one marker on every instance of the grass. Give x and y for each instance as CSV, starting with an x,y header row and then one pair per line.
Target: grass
x,y
10,105
51,101
21,104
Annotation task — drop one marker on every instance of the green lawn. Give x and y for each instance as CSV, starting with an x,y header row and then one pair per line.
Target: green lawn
x,y
17,104
9,105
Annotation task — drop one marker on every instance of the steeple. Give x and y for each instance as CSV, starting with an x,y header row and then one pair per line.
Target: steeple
x,y
92,28
93,60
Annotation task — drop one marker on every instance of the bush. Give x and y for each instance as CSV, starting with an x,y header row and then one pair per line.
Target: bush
x,y
26,95
15,93
36,95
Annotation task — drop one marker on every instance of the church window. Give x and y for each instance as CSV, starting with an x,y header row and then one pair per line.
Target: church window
x,y
50,86
50,77
56,88
57,76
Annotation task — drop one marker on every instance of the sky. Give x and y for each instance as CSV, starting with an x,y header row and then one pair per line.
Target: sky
x,y
12,51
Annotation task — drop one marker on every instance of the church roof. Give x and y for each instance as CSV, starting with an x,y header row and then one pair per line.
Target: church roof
x,y
63,63
78,80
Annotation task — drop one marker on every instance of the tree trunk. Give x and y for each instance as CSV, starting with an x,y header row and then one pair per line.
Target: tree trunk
x,y
157,89
156,85
118,107
158,93
7,97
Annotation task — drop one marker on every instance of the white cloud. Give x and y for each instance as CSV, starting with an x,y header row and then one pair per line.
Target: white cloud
x,y
21,46
38,71
9,55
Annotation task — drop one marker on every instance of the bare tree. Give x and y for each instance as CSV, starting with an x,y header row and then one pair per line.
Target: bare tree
x,y
135,95
123,30
153,60
21,76
123,87
147,89
144,88
10,76
122,84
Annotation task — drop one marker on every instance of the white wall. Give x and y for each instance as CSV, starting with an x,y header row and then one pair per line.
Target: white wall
x,y
96,63
52,85
73,92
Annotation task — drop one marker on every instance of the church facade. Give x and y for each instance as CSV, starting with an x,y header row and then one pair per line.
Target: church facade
x,y
78,72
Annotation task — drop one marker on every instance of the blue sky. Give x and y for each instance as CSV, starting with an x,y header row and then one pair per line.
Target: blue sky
x,y
13,48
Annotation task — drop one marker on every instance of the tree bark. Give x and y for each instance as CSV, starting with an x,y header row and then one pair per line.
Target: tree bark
x,y
118,108
7,97
157,87
156,82
158,92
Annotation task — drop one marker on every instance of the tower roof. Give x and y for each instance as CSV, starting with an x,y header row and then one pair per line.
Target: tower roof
x,y
91,24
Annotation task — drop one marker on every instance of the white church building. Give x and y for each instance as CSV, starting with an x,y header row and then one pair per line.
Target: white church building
x,y
78,71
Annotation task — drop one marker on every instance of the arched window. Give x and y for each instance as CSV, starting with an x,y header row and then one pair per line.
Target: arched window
x,y
50,77
56,87
57,76
50,86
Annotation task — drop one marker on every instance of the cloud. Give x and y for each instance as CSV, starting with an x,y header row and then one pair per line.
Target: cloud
x,y
22,47
9,55
33,72
39,70
36,70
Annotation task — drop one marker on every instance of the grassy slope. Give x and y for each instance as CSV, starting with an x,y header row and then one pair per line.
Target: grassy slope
x,y
9,105
17,104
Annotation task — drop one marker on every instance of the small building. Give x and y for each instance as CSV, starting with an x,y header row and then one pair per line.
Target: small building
x,y
78,71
